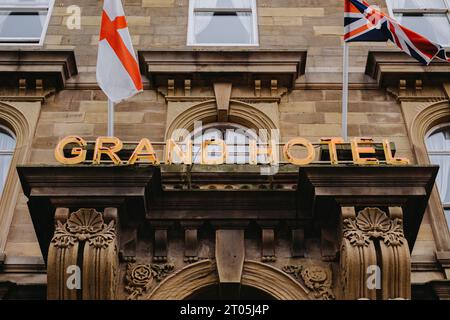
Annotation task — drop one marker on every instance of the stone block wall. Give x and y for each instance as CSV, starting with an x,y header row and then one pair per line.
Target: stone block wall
x,y
312,25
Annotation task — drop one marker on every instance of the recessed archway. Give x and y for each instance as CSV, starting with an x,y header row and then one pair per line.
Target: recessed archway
x,y
240,113
264,278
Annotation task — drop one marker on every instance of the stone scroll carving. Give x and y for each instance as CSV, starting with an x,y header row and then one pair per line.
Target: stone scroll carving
x,y
374,245
83,258
317,278
140,278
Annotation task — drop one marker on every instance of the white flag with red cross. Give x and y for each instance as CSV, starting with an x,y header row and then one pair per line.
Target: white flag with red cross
x,y
118,72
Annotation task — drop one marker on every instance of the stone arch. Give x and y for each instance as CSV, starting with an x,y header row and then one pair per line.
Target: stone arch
x,y
428,117
240,113
197,276
21,120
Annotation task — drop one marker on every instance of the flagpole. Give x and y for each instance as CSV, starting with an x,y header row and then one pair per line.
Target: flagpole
x,y
110,118
345,94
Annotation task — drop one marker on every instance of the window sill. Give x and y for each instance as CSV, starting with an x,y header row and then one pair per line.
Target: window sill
x,y
222,45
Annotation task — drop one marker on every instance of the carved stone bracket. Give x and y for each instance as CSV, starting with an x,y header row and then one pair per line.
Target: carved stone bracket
x,y
298,242
191,245
268,245
142,277
85,239
373,243
317,278
128,243
160,246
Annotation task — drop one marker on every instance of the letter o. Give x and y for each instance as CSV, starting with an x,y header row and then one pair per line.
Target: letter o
x,y
299,142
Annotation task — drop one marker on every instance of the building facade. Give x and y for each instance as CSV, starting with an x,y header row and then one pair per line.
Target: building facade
x,y
224,228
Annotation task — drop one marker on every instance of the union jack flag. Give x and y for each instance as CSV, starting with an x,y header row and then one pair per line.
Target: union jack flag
x,y
364,23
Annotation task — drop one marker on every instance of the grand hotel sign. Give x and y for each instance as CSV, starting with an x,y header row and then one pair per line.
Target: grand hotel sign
x,y
107,150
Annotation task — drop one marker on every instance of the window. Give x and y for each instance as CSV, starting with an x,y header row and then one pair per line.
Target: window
x,y
7,146
430,18
236,137
222,22
24,21
438,145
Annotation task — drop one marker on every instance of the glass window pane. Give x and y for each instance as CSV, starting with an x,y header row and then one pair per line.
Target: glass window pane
x,y
447,214
223,4
223,28
7,142
5,161
439,140
21,24
7,145
436,27
25,2
443,178
418,4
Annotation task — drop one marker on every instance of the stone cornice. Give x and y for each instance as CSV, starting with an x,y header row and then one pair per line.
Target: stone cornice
x,y
53,67
228,66
389,67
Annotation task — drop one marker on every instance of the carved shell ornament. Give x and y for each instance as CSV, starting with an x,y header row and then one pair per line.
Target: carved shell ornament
x,y
84,225
372,223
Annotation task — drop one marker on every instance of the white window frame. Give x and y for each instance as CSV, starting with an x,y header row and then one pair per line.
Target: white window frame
x,y
445,205
11,133
28,41
7,153
191,36
392,12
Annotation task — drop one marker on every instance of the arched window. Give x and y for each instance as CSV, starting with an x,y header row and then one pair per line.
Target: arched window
x,y
438,145
236,137
7,146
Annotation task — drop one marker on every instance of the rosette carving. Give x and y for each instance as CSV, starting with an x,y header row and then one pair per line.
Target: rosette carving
x,y
372,223
316,278
141,277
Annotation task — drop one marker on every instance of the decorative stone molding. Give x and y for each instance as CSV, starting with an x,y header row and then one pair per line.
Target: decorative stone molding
x,y
85,239
194,277
184,116
372,223
388,67
233,66
420,118
140,278
374,242
84,225
21,118
317,278
52,67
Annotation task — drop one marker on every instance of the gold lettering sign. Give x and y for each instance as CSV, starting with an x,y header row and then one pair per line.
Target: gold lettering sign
x,y
206,159
389,158
144,153
299,142
111,151
255,151
332,142
172,148
181,153
357,150
79,152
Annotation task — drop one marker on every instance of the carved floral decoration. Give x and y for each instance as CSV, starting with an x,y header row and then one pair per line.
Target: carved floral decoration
x,y
84,225
316,278
372,223
141,277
